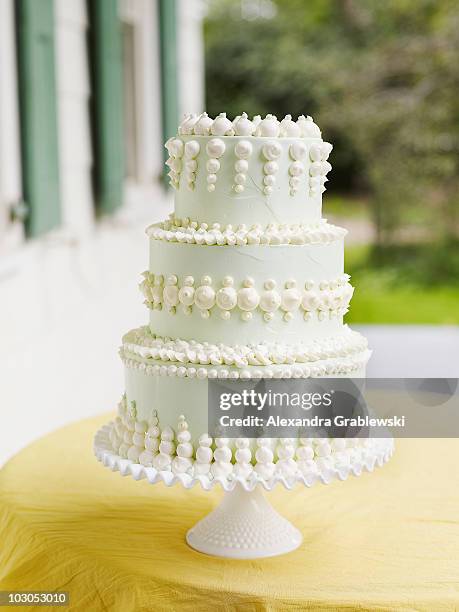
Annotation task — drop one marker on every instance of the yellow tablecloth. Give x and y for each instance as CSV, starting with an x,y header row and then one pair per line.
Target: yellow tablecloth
x,y
385,541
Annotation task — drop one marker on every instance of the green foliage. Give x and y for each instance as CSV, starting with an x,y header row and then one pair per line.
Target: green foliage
x,y
404,284
380,78
416,265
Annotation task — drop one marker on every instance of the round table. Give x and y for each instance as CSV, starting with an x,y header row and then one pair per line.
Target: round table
x,y
387,540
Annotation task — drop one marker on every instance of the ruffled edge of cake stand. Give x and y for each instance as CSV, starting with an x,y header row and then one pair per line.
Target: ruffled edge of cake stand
x,y
126,467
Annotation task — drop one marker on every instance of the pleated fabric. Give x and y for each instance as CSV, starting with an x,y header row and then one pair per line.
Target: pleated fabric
x,y
383,541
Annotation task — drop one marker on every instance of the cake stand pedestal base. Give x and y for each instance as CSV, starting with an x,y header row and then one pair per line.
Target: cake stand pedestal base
x,y
244,526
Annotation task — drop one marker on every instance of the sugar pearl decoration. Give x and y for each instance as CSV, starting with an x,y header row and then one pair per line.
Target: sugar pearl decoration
x,y
308,129
215,147
226,298
243,149
186,296
264,457
204,297
296,169
243,456
170,295
203,125
270,301
162,462
146,458
187,125
176,148
319,167
222,126
241,165
269,126
192,149
248,298
291,298
182,462
329,297
269,168
133,454
213,165
271,150
298,151
243,126
326,150
222,465
289,128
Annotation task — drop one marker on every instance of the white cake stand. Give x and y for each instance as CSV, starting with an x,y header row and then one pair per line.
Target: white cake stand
x,y
244,525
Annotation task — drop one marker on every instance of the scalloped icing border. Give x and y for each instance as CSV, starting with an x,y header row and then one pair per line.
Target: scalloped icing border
x,y
140,344
139,472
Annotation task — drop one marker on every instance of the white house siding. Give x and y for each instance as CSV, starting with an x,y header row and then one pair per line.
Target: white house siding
x,y
73,90
190,52
10,167
67,297
142,17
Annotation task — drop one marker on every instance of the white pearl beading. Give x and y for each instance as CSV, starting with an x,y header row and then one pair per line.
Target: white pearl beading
x,y
353,461
192,149
183,156
327,298
243,151
194,232
271,152
319,167
296,169
175,148
214,149
269,127
303,127
142,344
241,458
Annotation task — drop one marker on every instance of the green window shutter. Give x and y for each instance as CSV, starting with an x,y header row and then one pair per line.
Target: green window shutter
x,y
37,94
107,103
169,87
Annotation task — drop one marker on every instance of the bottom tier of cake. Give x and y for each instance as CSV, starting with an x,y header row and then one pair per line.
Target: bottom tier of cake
x,y
167,378
267,460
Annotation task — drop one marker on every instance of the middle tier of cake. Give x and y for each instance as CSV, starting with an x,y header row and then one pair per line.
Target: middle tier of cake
x,y
247,294
168,377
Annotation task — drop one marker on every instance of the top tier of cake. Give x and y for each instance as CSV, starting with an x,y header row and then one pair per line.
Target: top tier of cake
x,y
248,171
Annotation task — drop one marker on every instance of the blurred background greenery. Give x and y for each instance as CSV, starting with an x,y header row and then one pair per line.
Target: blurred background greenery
x,y
382,81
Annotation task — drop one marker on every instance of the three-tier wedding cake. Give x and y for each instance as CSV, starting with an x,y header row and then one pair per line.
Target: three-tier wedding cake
x,y
246,281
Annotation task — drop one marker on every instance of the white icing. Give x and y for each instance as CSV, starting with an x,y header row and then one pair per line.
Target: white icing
x,y
243,149
298,150
289,128
215,147
272,150
331,298
243,126
203,125
140,344
222,126
269,126
192,232
192,148
242,459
